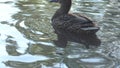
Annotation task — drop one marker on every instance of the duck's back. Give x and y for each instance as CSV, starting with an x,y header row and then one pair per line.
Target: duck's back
x,y
72,22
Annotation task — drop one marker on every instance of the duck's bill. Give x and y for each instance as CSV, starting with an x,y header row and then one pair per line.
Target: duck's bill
x,y
53,0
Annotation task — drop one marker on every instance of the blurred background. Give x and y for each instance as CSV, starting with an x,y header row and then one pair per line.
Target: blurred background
x,y
26,35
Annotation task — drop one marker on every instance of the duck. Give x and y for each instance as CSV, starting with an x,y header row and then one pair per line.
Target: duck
x,y
73,27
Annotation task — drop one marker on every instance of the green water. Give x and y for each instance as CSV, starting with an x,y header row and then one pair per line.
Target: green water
x,y
26,35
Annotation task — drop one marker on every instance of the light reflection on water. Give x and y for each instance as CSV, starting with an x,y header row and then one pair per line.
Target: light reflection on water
x,y
25,58
92,60
26,35
17,36
6,13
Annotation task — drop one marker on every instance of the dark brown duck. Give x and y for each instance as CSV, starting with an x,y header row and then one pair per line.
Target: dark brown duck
x,y
73,27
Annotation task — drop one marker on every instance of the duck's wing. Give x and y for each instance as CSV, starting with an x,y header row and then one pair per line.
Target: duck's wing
x,y
87,24
74,23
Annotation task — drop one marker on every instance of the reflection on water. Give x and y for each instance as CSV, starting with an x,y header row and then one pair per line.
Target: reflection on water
x,y
26,35
88,39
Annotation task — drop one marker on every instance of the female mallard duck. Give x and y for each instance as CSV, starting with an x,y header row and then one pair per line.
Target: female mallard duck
x,y
73,27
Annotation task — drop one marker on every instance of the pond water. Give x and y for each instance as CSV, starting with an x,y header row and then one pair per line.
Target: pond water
x,y
26,35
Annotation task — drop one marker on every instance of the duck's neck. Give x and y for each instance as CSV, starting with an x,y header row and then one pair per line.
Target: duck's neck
x,y
64,8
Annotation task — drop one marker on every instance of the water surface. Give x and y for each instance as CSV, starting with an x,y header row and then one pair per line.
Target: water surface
x,y
26,35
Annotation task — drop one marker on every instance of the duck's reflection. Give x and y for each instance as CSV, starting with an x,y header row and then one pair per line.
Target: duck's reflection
x,y
88,39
